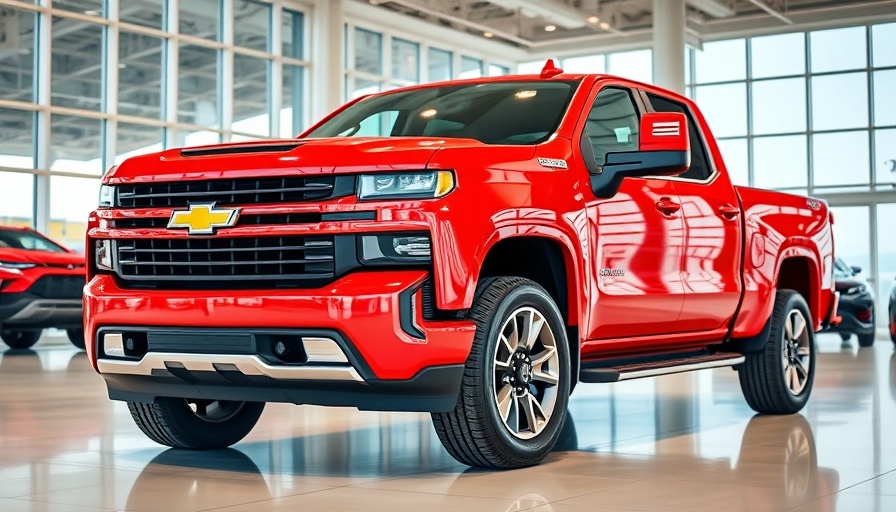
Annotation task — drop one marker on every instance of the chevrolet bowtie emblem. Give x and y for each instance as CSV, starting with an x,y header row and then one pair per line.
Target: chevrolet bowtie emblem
x,y
203,218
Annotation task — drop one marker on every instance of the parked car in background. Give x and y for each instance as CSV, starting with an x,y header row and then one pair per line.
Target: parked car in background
x,y
41,284
856,306
892,316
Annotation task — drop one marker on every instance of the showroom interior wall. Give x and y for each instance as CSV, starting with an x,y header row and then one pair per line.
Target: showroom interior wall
x,y
86,83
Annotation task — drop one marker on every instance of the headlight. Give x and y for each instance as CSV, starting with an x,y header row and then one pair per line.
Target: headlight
x,y
408,185
104,255
16,265
107,196
856,290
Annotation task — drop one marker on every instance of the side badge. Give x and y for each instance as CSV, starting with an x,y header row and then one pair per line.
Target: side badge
x,y
813,204
553,163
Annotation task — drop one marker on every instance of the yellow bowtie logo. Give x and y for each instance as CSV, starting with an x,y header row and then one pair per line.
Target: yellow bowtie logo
x,y
203,218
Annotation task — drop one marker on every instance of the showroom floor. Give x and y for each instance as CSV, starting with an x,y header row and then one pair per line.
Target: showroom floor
x,y
683,442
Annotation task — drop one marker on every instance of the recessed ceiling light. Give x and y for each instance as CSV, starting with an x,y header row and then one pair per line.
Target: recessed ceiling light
x,y
92,13
122,65
604,25
550,28
593,20
488,34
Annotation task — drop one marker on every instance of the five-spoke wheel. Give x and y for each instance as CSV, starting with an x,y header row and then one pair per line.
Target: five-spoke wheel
x,y
797,358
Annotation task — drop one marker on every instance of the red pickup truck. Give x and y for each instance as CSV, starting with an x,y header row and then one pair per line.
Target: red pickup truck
x,y
472,249
40,287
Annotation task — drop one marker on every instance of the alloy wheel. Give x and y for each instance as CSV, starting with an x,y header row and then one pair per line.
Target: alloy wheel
x,y
796,358
526,373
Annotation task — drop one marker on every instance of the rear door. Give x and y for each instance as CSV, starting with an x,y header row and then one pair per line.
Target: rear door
x,y
711,269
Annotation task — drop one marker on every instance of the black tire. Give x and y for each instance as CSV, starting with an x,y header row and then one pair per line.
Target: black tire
x,y
892,326
20,339
762,375
475,433
866,340
76,336
172,422
845,336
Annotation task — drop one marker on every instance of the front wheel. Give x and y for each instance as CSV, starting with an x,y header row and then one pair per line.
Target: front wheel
x,y
778,379
76,336
20,339
513,398
195,424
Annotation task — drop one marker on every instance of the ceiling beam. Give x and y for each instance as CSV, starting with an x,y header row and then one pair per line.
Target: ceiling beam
x,y
554,12
774,12
714,8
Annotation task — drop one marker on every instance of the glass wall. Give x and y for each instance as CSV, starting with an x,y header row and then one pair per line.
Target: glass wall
x,y
816,110
635,64
125,84
378,61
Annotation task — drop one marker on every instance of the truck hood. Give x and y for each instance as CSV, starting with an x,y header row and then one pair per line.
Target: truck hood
x,y
42,258
338,155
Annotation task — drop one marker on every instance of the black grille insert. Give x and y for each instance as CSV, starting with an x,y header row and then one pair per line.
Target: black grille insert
x,y
288,189
249,220
58,287
271,261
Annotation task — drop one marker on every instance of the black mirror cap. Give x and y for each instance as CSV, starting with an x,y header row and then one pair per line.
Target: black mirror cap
x,y
637,164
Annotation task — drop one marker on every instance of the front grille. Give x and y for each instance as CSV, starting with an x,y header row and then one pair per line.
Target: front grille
x,y
289,189
215,263
58,287
244,220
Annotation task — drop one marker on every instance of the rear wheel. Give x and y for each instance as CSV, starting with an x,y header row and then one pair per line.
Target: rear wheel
x,y
778,379
76,336
512,402
893,325
20,339
195,424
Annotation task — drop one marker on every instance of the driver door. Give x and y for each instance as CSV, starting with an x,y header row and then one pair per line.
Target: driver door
x,y
635,236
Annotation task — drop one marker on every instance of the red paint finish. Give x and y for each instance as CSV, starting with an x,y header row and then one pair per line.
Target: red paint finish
x,y
46,263
665,264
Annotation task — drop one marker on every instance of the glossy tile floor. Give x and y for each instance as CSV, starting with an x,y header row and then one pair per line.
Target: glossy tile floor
x,y
684,442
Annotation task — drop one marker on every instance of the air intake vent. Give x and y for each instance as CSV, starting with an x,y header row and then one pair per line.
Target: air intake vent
x,y
233,150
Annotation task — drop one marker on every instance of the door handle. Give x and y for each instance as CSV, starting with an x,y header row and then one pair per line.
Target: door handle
x,y
728,211
667,206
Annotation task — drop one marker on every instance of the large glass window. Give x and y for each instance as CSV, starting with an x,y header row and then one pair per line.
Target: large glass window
x,y
71,201
780,162
89,7
722,61
852,236
584,64
251,80
293,34
368,52
470,67
405,62
76,145
439,65
77,71
291,110
883,39
17,55
885,156
197,85
734,154
252,25
148,13
778,55
886,257
840,101
725,108
840,158
779,106
136,139
140,75
636,65
885,97
838,49
16,199
200,18
17,136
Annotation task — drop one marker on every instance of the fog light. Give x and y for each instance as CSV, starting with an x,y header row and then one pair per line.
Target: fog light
x,y
104,254
113,345
396,249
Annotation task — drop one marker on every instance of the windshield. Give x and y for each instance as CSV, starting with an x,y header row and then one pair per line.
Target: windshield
x,y
27,240
525,112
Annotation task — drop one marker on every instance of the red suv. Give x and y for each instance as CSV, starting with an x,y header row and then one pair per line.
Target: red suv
x,y
41,284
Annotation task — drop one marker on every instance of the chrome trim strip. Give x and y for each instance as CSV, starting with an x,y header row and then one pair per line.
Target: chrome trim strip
x,y
653,372
247,364
323,350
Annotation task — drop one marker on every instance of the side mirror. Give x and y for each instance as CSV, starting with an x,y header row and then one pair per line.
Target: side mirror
x,y
856,270
664,150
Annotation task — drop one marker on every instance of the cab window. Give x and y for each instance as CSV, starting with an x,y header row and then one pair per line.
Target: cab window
x,y
699,169
612,124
